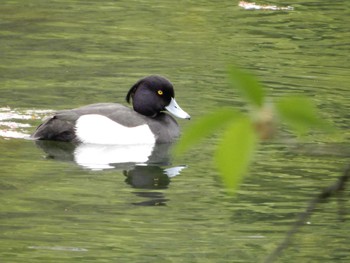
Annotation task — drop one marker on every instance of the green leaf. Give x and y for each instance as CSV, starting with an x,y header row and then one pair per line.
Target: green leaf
x,y
247,85
204,127
235,152
301,115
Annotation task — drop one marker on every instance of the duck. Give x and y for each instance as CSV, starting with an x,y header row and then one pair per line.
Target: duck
x,y
147,122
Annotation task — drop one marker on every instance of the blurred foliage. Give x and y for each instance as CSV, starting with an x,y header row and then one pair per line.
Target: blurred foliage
x,y
235,151
247,85
244,131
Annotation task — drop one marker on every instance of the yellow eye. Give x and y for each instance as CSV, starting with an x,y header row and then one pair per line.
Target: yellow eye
x,y
160,92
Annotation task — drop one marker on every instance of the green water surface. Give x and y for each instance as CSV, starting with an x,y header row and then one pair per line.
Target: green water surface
x,y
64,54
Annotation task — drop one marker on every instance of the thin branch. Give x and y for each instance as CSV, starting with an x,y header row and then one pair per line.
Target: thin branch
x,y
303,217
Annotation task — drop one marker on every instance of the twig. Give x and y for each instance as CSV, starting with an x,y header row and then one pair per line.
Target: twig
x,y
303,217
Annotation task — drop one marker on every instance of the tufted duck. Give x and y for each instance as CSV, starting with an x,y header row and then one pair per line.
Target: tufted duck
x,y
113,123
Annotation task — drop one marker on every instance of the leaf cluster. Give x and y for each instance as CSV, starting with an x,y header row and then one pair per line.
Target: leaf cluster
x,y
243,131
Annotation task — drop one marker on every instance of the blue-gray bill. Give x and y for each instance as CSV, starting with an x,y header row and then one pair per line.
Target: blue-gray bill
x,y
176,110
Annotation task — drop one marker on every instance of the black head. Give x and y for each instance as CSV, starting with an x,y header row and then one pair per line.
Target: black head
x,y
151,95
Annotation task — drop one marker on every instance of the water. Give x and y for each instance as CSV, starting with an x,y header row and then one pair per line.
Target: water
x,y
64,54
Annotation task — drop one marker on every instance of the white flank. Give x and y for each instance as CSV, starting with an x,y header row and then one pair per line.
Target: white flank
x,y
98,129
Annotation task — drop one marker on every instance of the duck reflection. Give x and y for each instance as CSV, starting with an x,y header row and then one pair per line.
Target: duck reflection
x,y
101,157
148,177
142,165
151,177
